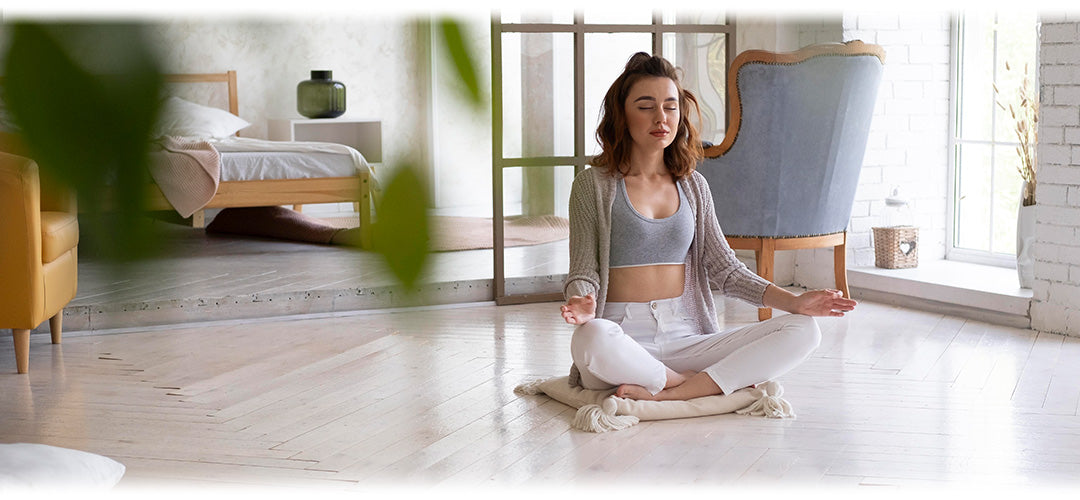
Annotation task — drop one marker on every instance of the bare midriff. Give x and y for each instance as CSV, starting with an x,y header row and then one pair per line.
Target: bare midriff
x,y
645,283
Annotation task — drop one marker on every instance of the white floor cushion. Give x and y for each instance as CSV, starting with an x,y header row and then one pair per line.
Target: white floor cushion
x,y
602,411
40,466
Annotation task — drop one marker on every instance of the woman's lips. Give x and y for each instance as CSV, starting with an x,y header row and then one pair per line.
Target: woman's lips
x,y
659,133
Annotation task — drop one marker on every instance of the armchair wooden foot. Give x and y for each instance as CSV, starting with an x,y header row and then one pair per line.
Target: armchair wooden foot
x,y
22,341
840,267
22,349
765,254
55,324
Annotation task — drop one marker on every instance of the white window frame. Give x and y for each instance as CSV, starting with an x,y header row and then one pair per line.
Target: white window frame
x,y
952,252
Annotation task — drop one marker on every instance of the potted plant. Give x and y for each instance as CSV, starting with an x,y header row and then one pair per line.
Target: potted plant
x,y
1025,116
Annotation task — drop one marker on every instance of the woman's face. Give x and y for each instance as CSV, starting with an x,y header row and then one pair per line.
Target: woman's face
x,y
652,113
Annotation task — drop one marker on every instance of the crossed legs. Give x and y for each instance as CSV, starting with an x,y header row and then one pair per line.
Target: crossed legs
x,y
694,365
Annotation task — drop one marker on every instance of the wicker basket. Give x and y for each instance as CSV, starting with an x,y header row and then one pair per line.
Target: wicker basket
x,y
896,247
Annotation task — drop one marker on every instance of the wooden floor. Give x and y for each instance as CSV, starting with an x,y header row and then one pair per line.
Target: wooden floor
x,y
216,277
425,398
197,264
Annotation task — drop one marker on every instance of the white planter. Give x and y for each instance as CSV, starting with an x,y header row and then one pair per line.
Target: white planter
x,y
1025,240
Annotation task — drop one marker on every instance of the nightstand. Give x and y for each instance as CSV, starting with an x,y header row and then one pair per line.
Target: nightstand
x,y
364,135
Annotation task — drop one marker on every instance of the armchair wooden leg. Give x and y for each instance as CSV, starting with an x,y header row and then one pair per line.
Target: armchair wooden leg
x,y
765,258
55,324
840,267
22,349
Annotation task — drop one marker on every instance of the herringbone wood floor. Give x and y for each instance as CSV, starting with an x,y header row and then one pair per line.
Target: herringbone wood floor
x,y
425,397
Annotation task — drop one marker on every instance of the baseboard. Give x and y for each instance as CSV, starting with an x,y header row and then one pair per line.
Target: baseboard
x,y
963,311
88,319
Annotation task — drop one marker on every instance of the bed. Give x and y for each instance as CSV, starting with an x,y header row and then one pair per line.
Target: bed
x,y
255,172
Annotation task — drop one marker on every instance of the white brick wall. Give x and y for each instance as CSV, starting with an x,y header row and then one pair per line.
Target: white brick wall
x,y
1055,306
823,29
908,145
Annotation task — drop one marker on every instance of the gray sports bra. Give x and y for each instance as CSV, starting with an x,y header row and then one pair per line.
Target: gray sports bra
x,y
637,240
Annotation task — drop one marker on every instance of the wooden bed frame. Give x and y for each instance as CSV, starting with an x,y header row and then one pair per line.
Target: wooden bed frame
x,y
295,192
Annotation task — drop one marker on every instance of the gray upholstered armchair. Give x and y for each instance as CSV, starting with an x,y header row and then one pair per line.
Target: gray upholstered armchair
x,y
785,175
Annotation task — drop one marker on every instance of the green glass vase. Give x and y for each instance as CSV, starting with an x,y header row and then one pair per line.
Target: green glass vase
x,y
321,96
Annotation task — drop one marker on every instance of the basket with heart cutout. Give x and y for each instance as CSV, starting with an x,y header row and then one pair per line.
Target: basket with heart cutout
x,y
896,247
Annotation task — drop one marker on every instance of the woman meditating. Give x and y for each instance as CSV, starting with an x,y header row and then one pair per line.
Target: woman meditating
x,y
646,249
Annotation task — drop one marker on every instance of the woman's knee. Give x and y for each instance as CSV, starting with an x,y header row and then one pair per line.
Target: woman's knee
x,y
803,331
593,336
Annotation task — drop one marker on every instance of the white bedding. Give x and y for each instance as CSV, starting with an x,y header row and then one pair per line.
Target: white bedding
x,y
247,159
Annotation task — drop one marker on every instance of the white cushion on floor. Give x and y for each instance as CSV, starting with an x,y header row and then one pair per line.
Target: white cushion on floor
x,y
25,465
560,389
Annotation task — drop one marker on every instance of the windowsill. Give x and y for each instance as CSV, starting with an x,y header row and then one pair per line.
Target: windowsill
x,y
983,292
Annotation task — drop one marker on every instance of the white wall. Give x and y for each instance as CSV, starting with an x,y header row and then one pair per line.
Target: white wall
x,y
824,28
375,57
461,133
1055,305
763,31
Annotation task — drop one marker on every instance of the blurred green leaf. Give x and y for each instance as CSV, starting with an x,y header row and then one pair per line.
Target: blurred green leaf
x,y
85,97
451,32
400,233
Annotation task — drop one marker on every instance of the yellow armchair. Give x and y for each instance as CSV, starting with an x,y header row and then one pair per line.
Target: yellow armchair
x,y
39,237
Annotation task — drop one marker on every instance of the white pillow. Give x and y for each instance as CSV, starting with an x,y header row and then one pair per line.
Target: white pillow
x,y
25,465
185,118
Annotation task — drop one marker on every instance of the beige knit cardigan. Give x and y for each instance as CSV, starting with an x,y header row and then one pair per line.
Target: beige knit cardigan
x,y
710,263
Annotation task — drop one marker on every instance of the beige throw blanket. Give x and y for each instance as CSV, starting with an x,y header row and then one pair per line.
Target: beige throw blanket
x,y
187,171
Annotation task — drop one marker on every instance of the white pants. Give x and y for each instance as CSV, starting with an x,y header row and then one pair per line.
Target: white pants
x,y
635,341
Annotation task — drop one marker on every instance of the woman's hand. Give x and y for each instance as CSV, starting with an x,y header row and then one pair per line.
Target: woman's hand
x,y
579,310
823,303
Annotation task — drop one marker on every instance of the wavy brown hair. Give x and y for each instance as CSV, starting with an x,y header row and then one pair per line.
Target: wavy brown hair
x,y
681,156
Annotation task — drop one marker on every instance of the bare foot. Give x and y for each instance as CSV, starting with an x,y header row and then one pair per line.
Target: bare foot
x,y
696,386
675,379
631,391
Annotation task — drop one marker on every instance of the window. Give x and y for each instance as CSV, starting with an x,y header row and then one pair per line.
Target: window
x,y
549,74
985,185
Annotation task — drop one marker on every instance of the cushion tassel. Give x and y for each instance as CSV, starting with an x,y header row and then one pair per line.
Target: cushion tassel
x,y
597,418
770,404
